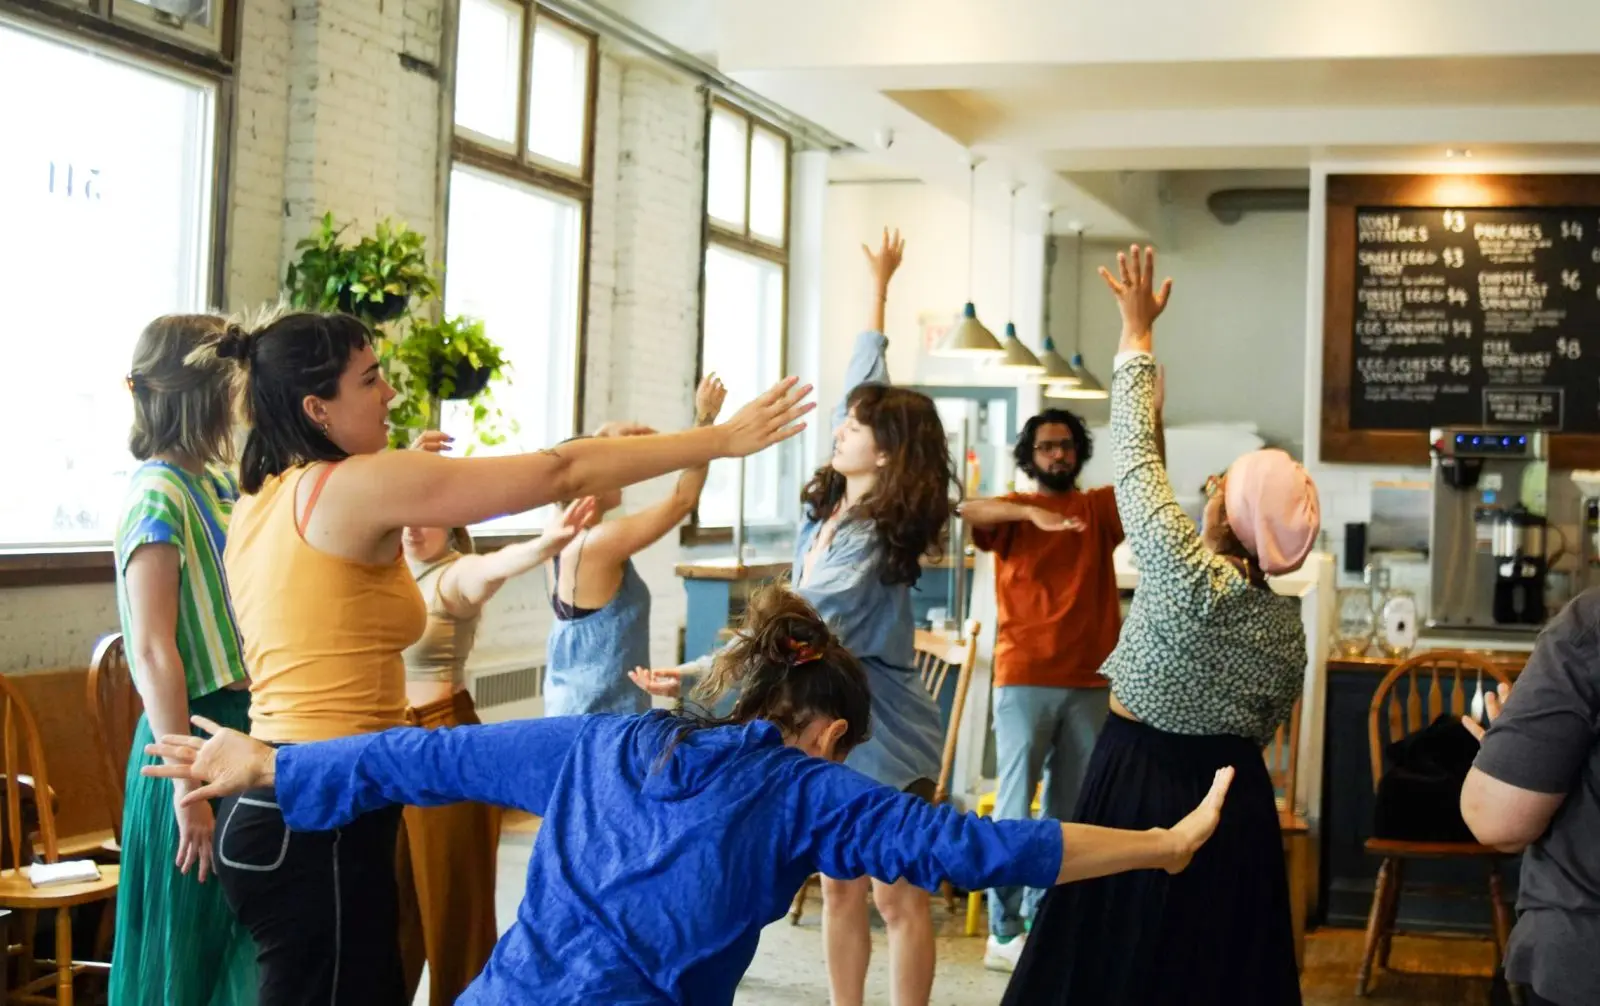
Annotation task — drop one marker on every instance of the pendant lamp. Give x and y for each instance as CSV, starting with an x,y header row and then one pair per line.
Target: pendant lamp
x,y
1057,371
969,338
1019,359
1087,385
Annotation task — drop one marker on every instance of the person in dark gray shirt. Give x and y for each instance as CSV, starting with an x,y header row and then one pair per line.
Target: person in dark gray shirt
x,y
1535,789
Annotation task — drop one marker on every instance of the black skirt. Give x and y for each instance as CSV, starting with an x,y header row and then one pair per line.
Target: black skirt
x,y
1218,933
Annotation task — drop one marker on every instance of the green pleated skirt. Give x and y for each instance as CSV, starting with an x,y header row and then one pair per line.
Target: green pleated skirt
x,y
177,942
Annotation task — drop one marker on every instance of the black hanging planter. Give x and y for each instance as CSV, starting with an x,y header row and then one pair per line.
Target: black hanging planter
x,y
377,311
468,380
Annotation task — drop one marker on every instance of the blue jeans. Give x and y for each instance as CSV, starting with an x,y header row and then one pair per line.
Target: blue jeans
x,y
1040,731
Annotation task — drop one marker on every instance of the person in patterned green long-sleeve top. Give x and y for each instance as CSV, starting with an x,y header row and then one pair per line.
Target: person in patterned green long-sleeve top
x,y
177,941
1209,662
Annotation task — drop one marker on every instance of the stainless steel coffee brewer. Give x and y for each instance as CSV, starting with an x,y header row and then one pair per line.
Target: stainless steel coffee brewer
x,y
1487,533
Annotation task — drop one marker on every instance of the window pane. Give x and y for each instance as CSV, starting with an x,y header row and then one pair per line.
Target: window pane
x,y
107,172
511,257
489,68
743,343
725,167
559,96
769,167
181,12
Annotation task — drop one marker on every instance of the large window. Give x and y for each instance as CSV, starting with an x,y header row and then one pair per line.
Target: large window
x,y
105,223
519,201
743,317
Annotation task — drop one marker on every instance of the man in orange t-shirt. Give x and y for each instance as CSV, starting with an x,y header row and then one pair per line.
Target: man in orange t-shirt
x,y
1060,614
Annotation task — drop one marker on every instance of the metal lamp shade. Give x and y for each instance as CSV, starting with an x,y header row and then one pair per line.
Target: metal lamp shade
x,y
1056,368
1019,358
1087,385
969,338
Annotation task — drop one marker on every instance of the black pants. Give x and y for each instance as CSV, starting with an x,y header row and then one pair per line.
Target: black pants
x,y
321,905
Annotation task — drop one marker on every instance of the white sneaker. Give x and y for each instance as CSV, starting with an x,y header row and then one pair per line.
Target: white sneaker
x,y
1003,956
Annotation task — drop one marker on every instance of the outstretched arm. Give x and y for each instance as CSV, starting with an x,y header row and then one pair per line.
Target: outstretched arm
x,y
627,536
468,583
850,826
328,784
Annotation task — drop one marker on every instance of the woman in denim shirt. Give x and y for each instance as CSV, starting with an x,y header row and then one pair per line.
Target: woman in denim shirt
x,y
871,514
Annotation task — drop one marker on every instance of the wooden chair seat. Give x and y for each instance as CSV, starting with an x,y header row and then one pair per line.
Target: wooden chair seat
x,y
99,846
1429,850
1291,823
18,893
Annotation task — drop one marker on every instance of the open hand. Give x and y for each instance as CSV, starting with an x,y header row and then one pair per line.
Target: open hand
x,y
433,441
1492,703
886,259
708,399
1140,303
1046,520
570,521
227,762
1189,834
196,824
770,419
666,682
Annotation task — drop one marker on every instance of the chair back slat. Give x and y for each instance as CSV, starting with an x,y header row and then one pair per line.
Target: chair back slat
x,y
24,764
114,711
1423,705
937,656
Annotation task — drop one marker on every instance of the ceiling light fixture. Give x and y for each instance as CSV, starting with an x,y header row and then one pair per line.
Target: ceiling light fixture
x,y
1019,359
969,338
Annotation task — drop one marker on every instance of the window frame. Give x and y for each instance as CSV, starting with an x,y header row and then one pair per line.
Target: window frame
x,y
742,241
131,40
519,165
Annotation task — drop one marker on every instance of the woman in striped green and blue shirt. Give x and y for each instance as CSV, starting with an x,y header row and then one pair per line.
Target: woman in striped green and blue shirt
x,y
178,943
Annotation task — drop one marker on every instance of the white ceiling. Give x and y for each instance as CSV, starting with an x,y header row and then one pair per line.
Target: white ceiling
x,y
1076,99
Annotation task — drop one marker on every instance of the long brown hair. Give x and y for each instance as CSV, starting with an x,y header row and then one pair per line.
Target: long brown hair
x,y
789,668
910,502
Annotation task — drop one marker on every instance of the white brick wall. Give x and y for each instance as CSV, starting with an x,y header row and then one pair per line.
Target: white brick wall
x,y
328,119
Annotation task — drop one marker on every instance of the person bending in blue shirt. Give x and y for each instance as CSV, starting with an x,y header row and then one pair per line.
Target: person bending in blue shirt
x,y
670,840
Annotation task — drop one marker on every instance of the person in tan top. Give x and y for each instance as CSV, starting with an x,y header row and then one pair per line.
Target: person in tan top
x,y
446,867
327,605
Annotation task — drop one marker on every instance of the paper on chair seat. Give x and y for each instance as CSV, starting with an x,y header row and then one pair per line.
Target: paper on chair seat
x,y
72,871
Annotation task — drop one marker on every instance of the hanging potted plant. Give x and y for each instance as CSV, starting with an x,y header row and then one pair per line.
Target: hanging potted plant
x,y
447,360
375,279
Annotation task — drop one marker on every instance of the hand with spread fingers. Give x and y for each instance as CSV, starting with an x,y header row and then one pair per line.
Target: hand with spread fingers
x,y
226,763
1492,703
771,418
664,681
1137,299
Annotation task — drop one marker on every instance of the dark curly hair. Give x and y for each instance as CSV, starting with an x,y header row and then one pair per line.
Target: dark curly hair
x,y
1023,452
910,503
787,668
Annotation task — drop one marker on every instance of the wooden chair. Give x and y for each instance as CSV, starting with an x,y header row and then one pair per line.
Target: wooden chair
x,y
17,893
936,656
1393,716
114,710
1283,763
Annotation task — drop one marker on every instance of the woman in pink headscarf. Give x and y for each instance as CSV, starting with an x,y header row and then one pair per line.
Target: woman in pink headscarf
x,y
1210,661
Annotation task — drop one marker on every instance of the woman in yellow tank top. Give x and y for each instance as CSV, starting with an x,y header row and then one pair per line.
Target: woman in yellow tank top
x,y
326,606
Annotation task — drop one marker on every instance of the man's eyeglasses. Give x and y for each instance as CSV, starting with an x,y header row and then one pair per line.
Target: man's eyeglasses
x,y
1053,446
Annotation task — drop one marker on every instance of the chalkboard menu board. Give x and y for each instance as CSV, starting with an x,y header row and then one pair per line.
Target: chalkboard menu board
x,y
1477,316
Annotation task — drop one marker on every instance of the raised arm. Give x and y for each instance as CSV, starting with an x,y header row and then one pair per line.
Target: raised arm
x,y
868,364
848,826
328,784
1165,541
627,536
468,583
393,489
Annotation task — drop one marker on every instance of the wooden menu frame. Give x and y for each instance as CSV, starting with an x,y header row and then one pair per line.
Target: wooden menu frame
x,y
1347,192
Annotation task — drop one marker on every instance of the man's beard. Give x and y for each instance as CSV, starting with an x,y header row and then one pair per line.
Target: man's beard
x,y
1057,481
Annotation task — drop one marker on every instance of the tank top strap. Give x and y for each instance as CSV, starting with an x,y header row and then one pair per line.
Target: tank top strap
x,y
302,520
